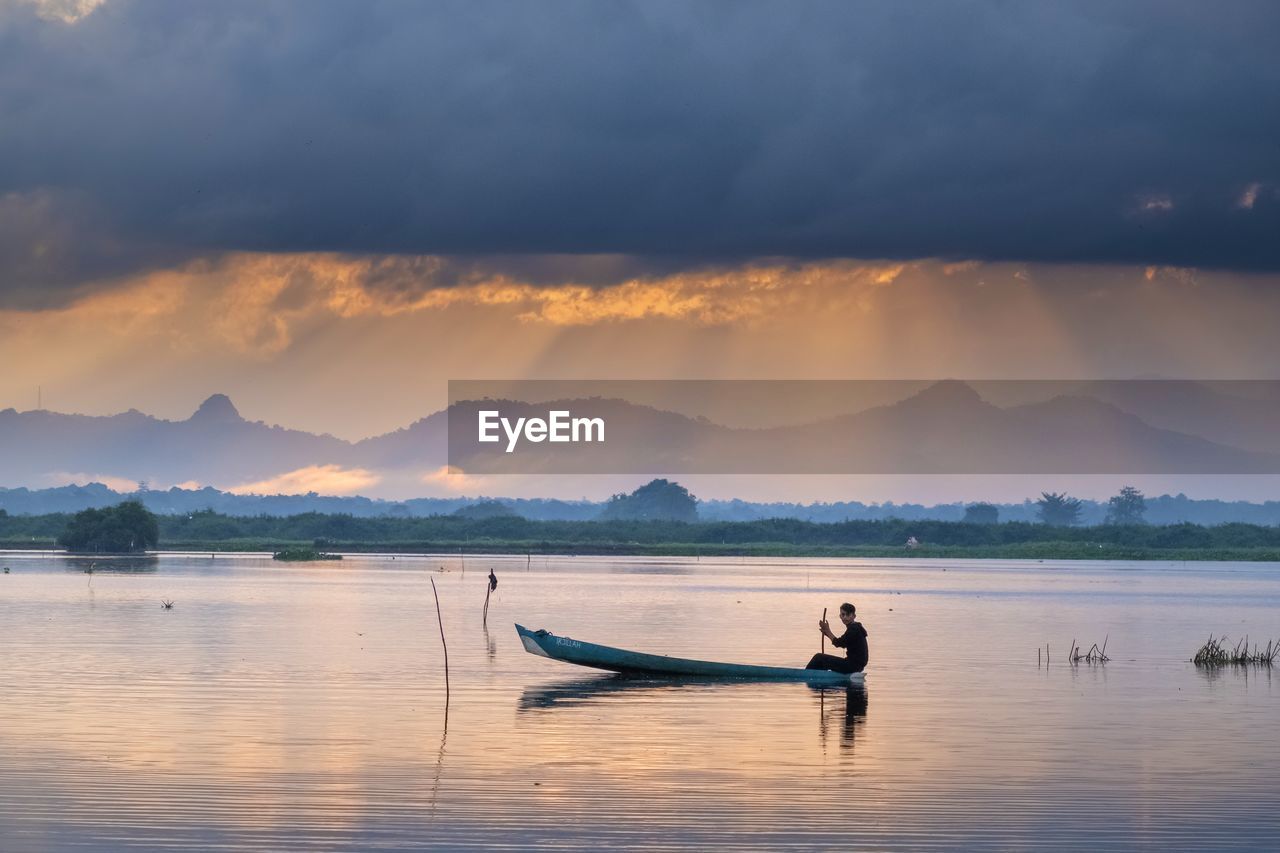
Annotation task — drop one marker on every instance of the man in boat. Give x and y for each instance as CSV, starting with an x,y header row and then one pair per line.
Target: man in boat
x,y
853,641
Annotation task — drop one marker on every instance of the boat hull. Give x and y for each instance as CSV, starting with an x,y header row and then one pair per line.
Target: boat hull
x,y
549,645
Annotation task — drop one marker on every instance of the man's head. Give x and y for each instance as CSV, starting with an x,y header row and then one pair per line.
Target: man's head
x,y
847,612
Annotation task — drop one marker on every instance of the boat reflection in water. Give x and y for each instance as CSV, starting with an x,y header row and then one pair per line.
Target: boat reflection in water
x,y
847,711
594,689
843,708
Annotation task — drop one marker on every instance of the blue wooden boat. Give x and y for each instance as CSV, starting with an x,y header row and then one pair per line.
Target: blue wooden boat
x,y
549,645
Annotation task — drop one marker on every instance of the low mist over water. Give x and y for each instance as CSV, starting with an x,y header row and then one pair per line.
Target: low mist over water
x,y
303,706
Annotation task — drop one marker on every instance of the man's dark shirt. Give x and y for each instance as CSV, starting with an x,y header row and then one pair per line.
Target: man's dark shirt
x,y
854,643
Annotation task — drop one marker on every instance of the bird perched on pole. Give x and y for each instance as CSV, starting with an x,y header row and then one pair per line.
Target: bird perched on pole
x,y
493,584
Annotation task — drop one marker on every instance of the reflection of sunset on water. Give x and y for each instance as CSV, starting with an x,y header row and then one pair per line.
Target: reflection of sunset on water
x,y
276,705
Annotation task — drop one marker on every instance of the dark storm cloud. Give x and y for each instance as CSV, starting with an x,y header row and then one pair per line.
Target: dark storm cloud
x,y
1081,132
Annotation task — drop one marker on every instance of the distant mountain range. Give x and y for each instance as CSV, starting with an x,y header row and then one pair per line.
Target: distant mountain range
x,y
948,428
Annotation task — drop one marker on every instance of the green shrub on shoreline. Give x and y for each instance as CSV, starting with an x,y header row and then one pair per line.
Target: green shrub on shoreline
x,y
127,528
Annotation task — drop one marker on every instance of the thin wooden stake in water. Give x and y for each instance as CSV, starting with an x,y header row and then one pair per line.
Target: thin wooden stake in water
x,y
490,587
440,620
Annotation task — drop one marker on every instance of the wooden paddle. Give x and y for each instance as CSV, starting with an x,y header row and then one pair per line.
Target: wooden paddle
x,y
824,636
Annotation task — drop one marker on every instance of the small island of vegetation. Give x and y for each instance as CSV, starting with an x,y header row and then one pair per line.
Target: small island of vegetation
x,y
303,555
127,528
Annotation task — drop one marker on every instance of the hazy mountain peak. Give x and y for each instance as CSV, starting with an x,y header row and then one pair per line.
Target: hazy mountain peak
x,y
217,409
948,392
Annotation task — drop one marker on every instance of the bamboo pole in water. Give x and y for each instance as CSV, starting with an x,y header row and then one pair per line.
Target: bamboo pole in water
x,y
440,620
489,587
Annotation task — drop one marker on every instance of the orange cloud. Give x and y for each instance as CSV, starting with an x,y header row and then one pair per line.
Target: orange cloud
x,y
67,11
1249,197
323,479
715,297
257,304
358,346
452,479
79,478
959,267
1182,275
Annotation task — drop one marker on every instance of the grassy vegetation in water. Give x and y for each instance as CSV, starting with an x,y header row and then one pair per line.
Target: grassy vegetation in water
x,y
1216,652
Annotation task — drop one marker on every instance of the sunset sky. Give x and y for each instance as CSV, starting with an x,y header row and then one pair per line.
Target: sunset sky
x,y
328,209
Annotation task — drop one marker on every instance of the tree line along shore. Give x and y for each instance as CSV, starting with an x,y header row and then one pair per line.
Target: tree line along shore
x,y
1159,509
131,528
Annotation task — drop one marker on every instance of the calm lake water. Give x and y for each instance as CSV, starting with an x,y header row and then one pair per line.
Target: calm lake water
x,y
303,707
